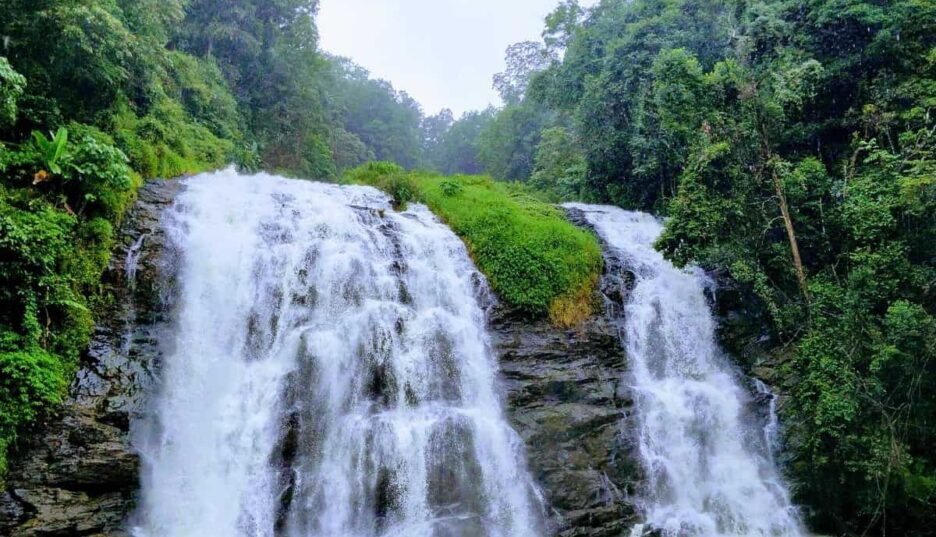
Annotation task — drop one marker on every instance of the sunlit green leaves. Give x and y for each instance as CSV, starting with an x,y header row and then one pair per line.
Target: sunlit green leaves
x,y
52,151
12,86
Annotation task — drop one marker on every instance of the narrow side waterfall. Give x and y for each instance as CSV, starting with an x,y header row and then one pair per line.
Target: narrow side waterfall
x,y
709,469
329,375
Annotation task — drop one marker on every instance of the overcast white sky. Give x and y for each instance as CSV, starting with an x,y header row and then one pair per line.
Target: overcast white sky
x,y
442,52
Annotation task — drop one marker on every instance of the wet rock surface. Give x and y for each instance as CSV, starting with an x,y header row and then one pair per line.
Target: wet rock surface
x,y
567,401
567,398
77,475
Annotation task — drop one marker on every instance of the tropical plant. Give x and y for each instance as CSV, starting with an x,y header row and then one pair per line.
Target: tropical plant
x,y
51,150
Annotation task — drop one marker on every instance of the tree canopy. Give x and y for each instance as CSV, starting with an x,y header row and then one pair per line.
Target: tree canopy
x,y
97,95
790,143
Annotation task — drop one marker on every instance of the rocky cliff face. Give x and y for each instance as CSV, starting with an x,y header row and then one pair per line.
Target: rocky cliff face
x,y
78,475
567,399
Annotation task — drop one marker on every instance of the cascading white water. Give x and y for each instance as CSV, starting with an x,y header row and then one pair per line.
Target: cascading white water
x,y
329,375
709,472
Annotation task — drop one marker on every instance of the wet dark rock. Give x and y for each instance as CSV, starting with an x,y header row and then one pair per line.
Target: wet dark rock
x,y
567,401
567,398
78,473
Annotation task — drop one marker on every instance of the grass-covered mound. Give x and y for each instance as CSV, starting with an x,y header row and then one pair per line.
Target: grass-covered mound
x,y
535,260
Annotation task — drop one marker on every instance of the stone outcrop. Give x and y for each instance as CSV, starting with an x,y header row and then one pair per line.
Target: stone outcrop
x,y
567,399
78,475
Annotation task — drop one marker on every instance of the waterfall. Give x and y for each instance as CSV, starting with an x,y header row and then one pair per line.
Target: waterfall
x,y
328,375
708,468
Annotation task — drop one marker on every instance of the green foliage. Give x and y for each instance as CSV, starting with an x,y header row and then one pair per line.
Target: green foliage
x,y
559,168
12,86
791,144
761,128
450,188
535,260
507,144
452,147
51,151
144,89
167,143
859,396
386,121
30,382
199,85
523,60
52,261
61,197
859,416
388,177
370,173
97,177
44,322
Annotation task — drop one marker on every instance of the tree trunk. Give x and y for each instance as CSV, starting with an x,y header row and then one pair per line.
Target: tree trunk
x,y
791,234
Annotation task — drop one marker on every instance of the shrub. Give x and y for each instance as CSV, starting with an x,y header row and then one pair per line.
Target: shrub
x,y
388,177
52,261
369,173
450,188
52,150
31,381
167,143
12,85
97,174
535,260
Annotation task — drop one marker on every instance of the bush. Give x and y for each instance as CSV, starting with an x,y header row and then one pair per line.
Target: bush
x,y
52,260
97,174
371,172
388,177
44,323
535,260
31,381
199,85
12,85
450,188
167,143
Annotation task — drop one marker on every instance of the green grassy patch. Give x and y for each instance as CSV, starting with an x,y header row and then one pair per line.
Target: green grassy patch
x,y
535,260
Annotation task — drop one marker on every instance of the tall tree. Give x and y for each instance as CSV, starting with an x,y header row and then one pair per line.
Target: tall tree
x,y
524,59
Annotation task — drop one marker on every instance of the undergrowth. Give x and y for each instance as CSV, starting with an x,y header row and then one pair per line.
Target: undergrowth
x,y
535,260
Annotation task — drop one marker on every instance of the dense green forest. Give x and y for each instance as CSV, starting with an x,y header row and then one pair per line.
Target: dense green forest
x,y
791,144
96,96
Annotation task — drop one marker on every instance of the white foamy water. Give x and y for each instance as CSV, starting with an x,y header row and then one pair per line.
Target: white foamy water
x,y
709,468
329,375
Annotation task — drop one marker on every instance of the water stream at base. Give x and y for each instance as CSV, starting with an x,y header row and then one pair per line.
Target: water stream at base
x,y
709,468
329,375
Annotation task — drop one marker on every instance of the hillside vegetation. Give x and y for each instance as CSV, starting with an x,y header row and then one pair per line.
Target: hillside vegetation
x,y
535,260
96,96
792,146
